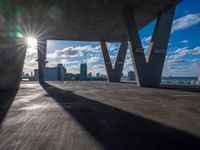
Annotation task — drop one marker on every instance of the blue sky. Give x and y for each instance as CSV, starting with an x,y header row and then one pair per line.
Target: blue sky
x,y
182,58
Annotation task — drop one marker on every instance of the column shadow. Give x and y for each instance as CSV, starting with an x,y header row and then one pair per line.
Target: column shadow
x,y
6,99
116,129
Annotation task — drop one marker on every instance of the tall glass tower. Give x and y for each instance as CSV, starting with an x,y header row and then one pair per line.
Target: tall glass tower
x,y
83,72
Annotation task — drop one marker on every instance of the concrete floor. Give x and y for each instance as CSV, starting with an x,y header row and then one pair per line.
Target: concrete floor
x,y
98,115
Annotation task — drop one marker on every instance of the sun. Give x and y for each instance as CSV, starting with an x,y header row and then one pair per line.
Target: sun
x,y
31,41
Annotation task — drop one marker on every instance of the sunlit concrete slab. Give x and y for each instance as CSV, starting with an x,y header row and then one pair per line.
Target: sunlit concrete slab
x,y
97,116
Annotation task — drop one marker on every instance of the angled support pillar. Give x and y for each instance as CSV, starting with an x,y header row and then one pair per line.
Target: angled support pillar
x,y
12,52
12,57
42,45
114,74
148,71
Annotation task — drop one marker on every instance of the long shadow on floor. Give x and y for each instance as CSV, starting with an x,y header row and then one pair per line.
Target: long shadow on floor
x,y
119,130
6,99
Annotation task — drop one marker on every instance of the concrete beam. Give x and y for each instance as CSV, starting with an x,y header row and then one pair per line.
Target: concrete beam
x,y
12,56
42,46
86,20
148,72
114,74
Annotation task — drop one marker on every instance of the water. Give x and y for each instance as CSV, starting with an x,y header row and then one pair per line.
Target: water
x,y
177,80
172,80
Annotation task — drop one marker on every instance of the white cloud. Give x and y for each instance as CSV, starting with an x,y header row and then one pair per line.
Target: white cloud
x,y
186,22
181,52
113,46
196,51
70,51
176,64
73,51
96,68
146,39
184,41
93,59
181,70
52,55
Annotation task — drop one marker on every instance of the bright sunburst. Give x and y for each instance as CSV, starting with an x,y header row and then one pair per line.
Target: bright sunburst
x,y
32,42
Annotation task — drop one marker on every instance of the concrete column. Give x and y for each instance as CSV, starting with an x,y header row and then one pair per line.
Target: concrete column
x,y
12,50
114,74
12,58
158,46
148,72
42,45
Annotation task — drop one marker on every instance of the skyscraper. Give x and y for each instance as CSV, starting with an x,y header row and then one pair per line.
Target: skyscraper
x,y
61,72
83,72
131,75
51,73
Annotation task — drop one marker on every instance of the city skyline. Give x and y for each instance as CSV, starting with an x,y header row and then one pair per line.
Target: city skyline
x,y
89,74
182,55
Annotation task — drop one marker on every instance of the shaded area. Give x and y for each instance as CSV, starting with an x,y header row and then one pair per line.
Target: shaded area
x,y
120,130
6,99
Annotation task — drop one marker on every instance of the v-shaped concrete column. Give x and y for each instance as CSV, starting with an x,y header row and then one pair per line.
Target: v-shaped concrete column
x,y
42,46
114,74
148,71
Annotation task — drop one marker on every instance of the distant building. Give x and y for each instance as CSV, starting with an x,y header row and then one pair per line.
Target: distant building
x,y
72,77
83,72
90,74
35,77
131,75
61,72
98,75
25,76
51,73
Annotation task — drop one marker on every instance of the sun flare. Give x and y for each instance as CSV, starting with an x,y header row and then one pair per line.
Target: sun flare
x,y
31,41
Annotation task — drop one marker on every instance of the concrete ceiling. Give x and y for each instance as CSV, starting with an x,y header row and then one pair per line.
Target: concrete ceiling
x,y
87,20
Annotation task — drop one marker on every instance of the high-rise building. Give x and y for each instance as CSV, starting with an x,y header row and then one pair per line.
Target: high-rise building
x,y
98,75
51,73
61,72
83,72
90,74
131,75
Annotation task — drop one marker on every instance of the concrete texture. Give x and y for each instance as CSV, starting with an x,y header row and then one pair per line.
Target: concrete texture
x,y
114,73
148,70
97,116
88,20
12,57
41,51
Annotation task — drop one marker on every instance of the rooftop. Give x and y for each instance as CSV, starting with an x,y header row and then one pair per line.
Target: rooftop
x,y
99,115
